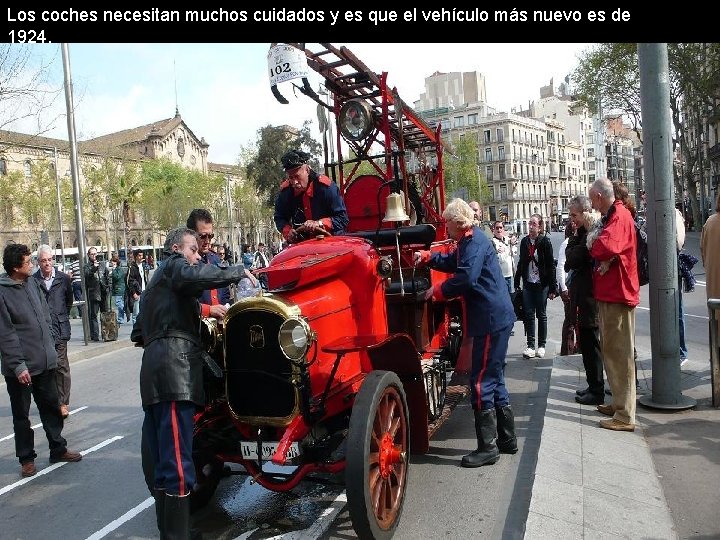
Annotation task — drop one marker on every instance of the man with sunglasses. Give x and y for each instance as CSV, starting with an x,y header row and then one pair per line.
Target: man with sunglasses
x,y
213,302
308,203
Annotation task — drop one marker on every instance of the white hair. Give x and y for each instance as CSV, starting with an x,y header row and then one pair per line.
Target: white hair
x,y
459,212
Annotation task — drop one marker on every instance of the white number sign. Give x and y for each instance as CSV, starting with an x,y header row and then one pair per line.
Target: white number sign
x,y
285,63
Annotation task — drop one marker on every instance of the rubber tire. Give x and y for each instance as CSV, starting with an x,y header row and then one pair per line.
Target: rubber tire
x,y
357,469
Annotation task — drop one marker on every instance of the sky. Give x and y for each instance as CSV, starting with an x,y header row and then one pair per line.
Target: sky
x,y
223,94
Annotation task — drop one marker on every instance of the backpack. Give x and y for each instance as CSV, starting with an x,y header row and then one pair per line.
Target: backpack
x,y
643,262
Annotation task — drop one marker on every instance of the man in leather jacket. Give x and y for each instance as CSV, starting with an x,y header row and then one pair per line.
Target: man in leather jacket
x,y
171,385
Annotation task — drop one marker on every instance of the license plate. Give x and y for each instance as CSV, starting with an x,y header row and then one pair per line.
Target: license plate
x,y
249,450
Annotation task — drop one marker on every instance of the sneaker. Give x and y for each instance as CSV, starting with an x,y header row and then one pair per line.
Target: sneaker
x,y
607,410
616,425
683,361
540,352
28,469
67,456
529,353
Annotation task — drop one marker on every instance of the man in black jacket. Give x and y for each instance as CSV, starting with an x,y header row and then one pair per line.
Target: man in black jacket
x,y
57,287
171,385
536,267
28,357
94,293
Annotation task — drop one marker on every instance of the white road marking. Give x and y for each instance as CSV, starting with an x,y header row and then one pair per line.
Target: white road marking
x,y
6,437
321,525
704,317
127,516
54,466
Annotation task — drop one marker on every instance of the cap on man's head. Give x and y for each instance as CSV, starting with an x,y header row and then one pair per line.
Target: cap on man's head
x,y
294,158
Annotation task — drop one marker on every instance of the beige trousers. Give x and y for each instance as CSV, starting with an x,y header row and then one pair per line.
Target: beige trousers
x,y
617,331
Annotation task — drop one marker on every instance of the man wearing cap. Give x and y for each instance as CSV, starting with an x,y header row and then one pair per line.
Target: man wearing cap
x,y
307,199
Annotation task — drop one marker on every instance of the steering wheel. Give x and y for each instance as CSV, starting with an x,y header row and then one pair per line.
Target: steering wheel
x,y
304,233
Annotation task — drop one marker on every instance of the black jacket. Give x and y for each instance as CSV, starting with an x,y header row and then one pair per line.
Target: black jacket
x,y
580,290
545,262
168,327
92,281
60,300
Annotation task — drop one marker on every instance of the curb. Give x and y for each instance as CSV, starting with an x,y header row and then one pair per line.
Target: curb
x,y
84,352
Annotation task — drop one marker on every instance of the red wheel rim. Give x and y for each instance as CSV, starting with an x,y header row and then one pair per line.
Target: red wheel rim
x,y
387,458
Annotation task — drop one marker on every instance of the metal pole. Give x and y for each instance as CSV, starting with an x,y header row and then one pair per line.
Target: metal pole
x,y
59,203
663,293
80,229
230,218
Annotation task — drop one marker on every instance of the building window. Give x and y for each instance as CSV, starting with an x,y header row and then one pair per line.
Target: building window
x,y
459,122
472,119
502,171
500,135
488,155
3,167
27,168
489,173
501,153
445,124
486,135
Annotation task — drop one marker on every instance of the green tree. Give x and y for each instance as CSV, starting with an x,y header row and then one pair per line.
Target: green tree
x,y
37,198
609,74
463,177
262,163
10,195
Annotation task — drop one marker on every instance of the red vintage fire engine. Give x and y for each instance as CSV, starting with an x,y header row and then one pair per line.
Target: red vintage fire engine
x,y
341,366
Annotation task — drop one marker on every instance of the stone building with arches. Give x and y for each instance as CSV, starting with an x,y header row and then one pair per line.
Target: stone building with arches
x,y
170,138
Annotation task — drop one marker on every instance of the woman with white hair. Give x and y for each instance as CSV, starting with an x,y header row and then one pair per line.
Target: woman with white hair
x,y
490,317
578,259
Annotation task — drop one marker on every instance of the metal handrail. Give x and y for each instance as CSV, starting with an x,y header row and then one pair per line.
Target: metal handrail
x,y
713,307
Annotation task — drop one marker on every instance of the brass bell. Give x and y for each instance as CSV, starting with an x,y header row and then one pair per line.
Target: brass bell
x,y
394,210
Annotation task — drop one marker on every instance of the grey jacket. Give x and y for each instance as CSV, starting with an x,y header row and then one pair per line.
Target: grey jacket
x,y
27,340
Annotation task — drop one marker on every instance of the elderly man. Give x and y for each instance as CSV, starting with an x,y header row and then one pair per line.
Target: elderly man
x,y
308,202
617,291
57,287
29,359
171,374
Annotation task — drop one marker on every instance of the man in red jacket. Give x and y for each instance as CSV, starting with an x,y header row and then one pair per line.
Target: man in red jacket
x,y
617,291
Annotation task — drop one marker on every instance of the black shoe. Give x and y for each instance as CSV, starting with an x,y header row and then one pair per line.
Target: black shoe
x,y
506,439
582,392
590,399
487,452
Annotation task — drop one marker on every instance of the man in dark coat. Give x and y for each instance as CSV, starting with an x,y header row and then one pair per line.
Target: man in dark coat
x,y
307,199
171,375
28,360
94,292
490,317
57,287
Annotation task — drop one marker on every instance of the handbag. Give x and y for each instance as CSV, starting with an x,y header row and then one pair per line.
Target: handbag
x,y
517,302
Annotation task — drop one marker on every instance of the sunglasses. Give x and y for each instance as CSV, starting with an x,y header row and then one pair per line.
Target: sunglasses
x,y
206,236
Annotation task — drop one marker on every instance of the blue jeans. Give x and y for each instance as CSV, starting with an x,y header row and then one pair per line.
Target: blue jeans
x,y
508,280
535,298
681,320
119,302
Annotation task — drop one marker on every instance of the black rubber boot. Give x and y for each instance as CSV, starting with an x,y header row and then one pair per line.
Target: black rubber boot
x,y
177,519
159,496
487,452
506,439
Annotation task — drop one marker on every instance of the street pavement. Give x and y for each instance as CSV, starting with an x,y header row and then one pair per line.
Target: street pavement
x,y
659,482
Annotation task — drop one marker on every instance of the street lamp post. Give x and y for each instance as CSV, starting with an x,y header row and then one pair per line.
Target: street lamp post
x,y
59,204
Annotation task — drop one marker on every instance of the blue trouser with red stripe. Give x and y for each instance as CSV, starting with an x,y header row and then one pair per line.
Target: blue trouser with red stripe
x,y
487,380
168,431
